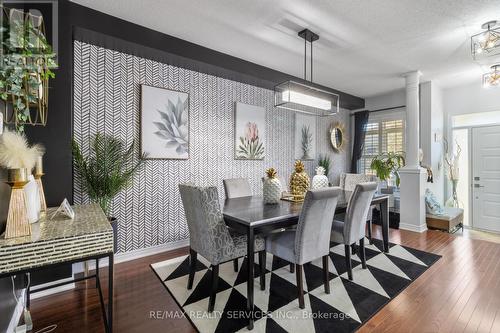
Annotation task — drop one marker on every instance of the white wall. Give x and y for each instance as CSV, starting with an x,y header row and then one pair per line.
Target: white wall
x,y
437,140
470,98
431,132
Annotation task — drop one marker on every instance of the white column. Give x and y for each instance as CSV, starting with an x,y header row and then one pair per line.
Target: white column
x,y
413,177
412,118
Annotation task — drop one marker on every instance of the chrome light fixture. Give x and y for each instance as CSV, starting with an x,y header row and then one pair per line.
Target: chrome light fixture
x,y
492,79
304,96
486,43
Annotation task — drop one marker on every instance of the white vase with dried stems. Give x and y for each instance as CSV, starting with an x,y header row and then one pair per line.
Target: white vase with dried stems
x,y
19,158
453,172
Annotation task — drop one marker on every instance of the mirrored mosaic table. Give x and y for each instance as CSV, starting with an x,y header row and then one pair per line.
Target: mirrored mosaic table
x,y
58,240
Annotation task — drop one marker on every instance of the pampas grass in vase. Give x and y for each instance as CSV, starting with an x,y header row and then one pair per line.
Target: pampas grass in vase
x,y
19,158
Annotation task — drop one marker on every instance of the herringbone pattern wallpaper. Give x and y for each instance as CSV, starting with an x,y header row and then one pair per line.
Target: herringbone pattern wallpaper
x,y
107,99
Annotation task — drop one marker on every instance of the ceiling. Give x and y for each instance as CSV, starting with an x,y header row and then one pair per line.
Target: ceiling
x,y
364,46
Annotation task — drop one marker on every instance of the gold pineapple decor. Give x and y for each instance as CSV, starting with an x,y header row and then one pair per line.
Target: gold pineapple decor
x,y
299,181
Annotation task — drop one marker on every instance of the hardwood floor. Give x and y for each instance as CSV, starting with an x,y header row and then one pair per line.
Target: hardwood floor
x,y
460,293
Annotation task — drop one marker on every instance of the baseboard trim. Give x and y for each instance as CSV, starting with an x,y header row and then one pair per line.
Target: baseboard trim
x,y
141,253
482,230
119,258
37,294
411,227
135,254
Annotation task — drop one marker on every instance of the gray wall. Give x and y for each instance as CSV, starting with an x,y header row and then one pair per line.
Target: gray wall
x,y
107,99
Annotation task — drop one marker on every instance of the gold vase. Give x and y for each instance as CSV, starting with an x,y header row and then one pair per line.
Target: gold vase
x,y
38,178
17,218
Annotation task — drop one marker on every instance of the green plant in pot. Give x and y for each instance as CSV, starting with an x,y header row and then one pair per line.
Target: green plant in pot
x,y
386,166
108,169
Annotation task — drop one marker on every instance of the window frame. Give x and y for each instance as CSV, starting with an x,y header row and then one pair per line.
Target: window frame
x,y
380,118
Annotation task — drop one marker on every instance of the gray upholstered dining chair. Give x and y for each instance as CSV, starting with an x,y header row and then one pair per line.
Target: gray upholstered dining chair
x,y
237,188
311,239
352,229
210,237
348,182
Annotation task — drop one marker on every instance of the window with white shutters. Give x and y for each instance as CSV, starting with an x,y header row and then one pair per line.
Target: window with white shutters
x,y
381,136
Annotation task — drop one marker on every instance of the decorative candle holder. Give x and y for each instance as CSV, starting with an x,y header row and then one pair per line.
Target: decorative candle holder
x,y
38,178
17,218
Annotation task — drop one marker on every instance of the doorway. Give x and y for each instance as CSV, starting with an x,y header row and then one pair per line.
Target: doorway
x,y
478,190
486,178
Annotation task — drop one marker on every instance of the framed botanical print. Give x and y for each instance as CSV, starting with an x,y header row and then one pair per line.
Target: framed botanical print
x,y
164,123
305,137
250,132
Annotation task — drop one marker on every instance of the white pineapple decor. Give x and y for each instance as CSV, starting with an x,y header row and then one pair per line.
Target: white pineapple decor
x,y
272,187
320,180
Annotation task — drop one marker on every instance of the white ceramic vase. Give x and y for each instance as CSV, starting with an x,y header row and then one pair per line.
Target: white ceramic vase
x,y
32,199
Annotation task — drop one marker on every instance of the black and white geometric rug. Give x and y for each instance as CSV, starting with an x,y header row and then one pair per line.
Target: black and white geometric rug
x,y
345,309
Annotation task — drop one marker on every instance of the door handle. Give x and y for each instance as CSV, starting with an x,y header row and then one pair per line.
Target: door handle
x,y
477,185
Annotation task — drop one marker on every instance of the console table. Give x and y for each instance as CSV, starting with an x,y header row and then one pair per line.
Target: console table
x,y
60,241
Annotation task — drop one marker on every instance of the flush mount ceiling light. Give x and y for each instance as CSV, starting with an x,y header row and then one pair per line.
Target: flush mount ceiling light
x,y
304,96
486,43
492,79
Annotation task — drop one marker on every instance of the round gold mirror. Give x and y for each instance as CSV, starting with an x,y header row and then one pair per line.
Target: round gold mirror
x,y
338,137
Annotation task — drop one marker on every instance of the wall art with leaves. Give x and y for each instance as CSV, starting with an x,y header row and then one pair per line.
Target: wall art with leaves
x,y
164,123
250,132
305,137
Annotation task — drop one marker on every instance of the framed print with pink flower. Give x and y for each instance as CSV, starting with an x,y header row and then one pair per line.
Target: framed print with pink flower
x,y
164,123
250,132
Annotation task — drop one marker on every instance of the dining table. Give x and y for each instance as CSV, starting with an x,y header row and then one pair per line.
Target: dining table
x,y
251,216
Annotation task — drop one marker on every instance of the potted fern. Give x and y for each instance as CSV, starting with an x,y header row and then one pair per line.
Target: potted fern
x,y
386,166
107,170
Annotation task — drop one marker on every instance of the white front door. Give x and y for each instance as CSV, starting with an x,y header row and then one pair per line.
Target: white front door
x,y
486,178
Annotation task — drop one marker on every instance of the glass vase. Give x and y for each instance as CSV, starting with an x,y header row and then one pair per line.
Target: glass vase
x,y
453,199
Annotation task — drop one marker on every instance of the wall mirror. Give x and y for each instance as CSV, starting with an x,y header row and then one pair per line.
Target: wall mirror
x,y
338,136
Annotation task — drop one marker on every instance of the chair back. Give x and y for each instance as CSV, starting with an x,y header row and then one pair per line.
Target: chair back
x,y
357,211
348,181
208,233
312,239
237,188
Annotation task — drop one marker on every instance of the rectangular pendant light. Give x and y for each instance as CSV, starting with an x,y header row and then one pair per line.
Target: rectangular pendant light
x,y
305,98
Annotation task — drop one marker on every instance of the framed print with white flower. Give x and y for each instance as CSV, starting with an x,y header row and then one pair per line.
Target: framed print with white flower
x,y
250,132
305,137
164,123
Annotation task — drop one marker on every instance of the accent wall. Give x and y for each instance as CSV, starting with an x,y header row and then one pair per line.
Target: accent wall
x,y
107,100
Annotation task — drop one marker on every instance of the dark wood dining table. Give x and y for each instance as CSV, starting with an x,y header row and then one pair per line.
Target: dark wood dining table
x,y
249,215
